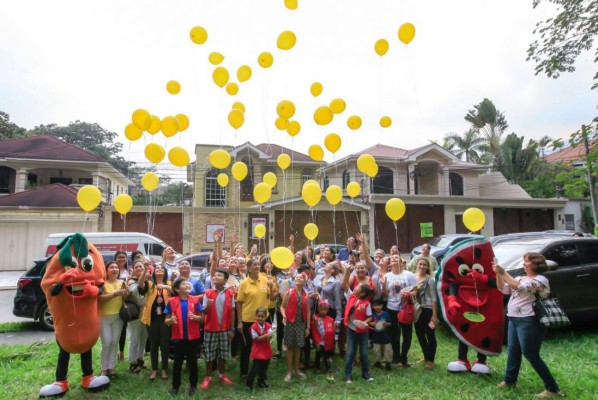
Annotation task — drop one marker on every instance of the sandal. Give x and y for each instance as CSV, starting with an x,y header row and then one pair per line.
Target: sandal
x,y
141,364
134,368
164,374
153,375
112,374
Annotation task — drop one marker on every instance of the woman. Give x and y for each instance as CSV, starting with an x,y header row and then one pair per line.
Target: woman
x,y
384,265
122,261
525,332
330,291
360,277
296,317
168,256
425,326
266,271
110,302
137,330
326,256
284,281
157,292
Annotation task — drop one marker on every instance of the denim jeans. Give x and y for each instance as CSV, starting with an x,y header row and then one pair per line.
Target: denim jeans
x,y
354,340
525,337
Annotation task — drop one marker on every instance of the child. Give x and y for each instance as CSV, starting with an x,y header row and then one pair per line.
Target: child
x,y
183,313
381,334
322,332
218,305
261,351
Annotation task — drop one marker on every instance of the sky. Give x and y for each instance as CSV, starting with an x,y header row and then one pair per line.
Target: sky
x,y
62,61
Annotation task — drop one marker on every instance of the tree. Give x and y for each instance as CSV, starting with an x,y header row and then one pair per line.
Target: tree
x,y
543,143
564,37
485,118
518,161
10,130
469,145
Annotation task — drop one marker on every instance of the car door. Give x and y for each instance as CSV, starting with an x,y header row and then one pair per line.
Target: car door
x,y
587,278
563,280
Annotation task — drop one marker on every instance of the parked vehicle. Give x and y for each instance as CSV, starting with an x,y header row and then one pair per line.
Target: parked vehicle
x,y
519,235
30,301
441,244
572,272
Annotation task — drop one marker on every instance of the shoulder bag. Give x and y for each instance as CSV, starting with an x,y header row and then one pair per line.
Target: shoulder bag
x,y
550,313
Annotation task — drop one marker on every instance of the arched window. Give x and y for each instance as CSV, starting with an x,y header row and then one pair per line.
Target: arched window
x,y
455,184
383,182
215,194
346,178
306,175
248,182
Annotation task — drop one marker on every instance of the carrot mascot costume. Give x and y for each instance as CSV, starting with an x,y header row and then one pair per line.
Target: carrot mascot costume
x,y
71,282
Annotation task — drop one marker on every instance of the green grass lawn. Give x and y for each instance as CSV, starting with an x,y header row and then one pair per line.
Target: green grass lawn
x,y
571,354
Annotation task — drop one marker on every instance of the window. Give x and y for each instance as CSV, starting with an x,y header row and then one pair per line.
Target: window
x,y
383,181
31,180
455,184
564,255
215,194
570,222
306,175
86,181
588,252
326,182
247,183
346,178
65,181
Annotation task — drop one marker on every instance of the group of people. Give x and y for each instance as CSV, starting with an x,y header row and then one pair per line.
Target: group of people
x,y
337,304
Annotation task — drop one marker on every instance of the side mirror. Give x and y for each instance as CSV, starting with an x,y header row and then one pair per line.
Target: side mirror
x,y
552,265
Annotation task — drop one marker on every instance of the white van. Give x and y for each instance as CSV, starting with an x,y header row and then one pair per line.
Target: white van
x,y
149,245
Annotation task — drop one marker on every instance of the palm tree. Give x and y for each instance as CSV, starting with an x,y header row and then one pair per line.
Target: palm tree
x,y
485,118
543,143
518,161
468,145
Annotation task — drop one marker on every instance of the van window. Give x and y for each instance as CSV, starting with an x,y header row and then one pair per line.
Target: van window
x,y
565,255
154,249
588,252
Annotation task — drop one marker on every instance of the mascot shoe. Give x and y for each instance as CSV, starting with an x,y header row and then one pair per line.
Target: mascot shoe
x,y
480,368
95,383
459,366
58,388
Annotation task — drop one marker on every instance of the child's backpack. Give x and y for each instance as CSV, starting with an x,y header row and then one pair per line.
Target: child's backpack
x,y
407,313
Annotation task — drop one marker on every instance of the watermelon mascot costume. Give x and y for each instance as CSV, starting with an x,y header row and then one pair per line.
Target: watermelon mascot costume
x,y
72,280
470,303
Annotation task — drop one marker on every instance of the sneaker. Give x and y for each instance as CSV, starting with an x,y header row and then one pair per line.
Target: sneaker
x,y
206,383
429,365
263,385
192,390
57,388
349,379
225,379
330,378
480,368
388,367
368,378
377,364
301,375
95,383
547,394
504,385
459,366
287,378
173,391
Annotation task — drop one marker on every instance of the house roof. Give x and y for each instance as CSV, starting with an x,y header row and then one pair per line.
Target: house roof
x,y
274,150
55,195
45,147
569,154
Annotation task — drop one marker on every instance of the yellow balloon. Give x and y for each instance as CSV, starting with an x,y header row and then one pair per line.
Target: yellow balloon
x,y
311,231
239,170
316,152
198,35
310,182
474,219
237,105
265,60
154,153
395,209
262,192
123,203
215,58
406,32
353,189
385,121
281,123
338,106
132,132
259,231
283,161
89,197
236,118
178,157
173,87
244,73
222,179
316,89
381,47
220,76
270,179
293,128
311,194
323,115
183,122
365,162
332,142
282,257
232,88
150,181
142,119
354,122
155,126
334,194
373,171
219,159
286,40
291,4
170,126
285,109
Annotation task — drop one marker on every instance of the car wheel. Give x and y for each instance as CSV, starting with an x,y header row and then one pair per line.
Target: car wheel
x,y
45,318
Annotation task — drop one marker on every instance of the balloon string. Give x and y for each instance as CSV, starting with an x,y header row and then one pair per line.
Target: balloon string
x,y
396,234
74,306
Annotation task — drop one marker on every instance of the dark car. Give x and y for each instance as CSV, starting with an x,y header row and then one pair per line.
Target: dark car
x,y
572,269
441,244
521,235
30,301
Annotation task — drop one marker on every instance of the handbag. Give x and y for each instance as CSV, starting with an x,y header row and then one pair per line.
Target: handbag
x,y
129,311
407,313
550,313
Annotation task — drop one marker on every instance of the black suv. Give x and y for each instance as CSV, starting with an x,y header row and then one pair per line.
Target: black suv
x,y
572,269
30,301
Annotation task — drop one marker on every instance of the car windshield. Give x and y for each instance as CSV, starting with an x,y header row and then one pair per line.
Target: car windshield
x,y
510,255
441,241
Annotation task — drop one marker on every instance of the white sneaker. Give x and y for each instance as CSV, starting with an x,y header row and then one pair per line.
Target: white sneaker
x,y
458,366
479,368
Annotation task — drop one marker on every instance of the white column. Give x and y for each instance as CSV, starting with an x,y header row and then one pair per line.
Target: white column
x,y
21,180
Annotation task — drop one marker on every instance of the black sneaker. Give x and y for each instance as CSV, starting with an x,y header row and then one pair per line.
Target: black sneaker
x,y
173,391
388,367
263,385
349,379
368,378
377,365
192,390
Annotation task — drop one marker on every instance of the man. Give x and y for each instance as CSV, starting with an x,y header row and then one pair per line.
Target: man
x,y
425,254
343,254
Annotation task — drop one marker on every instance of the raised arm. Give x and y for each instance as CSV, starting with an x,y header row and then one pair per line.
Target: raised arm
x,y
217,253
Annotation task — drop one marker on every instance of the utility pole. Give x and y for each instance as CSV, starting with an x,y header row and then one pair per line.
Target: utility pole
x,y
584,134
